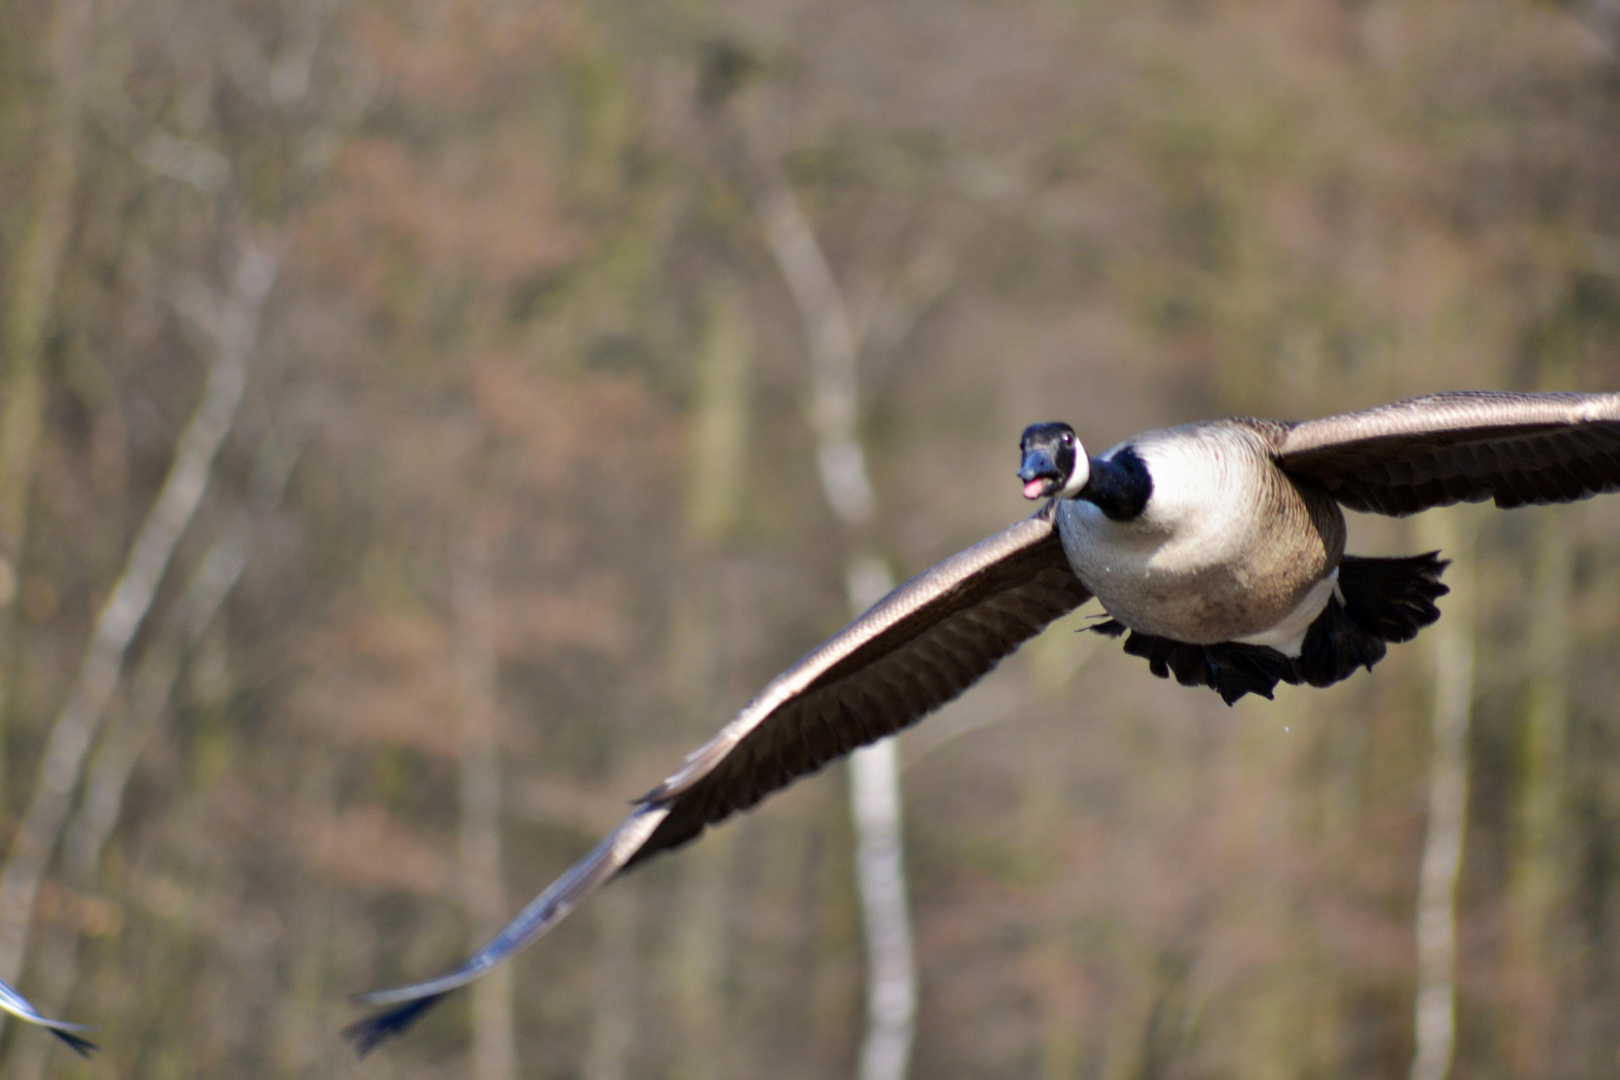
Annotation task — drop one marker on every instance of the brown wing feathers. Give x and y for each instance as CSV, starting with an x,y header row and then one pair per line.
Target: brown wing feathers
x,y
952,628
917,648
1408,456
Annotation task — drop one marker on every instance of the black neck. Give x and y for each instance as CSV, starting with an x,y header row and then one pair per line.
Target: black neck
x,y
1119,486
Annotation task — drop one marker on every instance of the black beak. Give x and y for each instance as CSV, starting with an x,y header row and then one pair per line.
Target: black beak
x,y
1039,474
1038,465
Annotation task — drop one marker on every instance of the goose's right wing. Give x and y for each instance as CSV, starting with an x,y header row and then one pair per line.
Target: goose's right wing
x,y
1465,446
914,650
18,1006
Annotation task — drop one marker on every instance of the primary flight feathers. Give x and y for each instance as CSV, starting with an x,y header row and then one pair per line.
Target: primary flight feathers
x,y
1516,449
1217,545
916,649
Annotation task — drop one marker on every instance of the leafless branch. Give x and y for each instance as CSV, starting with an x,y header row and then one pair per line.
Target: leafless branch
x,y
146,705
127,605
153,684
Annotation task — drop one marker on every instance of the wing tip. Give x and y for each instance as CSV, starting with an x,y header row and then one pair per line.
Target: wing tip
x,y
79,1044
367,1034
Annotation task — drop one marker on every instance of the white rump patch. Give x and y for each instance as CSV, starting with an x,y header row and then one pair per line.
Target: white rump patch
x,y
1288,636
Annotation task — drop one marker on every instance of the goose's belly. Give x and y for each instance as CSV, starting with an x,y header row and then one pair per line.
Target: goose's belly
x,y
1199,604
1220,558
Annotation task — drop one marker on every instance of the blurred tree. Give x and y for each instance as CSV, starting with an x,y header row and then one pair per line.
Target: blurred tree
x,y
30,308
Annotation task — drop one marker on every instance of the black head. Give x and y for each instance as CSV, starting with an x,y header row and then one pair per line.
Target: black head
x,y
1054,461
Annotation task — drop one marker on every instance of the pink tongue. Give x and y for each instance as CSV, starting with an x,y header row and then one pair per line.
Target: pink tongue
x,y
1033,489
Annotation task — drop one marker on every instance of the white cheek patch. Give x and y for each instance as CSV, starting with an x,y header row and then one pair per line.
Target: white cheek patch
x,y
1081,475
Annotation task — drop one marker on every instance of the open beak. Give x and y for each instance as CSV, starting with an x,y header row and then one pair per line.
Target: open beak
x,y
1039,474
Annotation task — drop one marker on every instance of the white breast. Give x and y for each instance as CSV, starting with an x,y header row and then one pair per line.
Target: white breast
x,y
1201,512
1201,563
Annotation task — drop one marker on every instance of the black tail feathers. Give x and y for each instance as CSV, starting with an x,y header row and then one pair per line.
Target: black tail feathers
x,y
1384,600
1392,598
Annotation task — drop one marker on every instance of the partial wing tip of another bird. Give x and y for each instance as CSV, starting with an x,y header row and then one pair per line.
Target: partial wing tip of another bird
x,y
365,1035
80,1045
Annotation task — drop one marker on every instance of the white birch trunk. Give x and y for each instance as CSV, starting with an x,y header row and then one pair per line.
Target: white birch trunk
x,y
874,798
146,704
1435,1014
126,607
153,684
875,801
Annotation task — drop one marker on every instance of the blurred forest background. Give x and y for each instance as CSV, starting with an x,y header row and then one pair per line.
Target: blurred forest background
x,y
406,456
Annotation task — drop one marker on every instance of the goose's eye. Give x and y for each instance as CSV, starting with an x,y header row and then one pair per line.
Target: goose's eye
x,y
1067,439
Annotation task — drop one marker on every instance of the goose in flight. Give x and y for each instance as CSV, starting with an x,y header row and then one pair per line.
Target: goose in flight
x,y
18,1006
1218,546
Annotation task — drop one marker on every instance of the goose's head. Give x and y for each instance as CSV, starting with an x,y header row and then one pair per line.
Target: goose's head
x,y
1054,462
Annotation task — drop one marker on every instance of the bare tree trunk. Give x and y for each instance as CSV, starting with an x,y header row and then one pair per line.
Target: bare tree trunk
x,y
1435,1018
35,270
147,703
717,451
127,605
1540,863
891,982
830,336
153,684
494,1055
613,989
875,775
720,421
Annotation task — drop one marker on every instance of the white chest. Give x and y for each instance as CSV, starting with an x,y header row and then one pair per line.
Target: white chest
x,y
1213,556
1201,514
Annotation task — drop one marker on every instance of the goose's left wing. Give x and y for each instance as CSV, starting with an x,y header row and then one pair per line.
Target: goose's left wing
x,y
1461,447
18,1006
914,650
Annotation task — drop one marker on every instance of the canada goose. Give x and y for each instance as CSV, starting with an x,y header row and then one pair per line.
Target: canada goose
x,y
1218,546
18,1006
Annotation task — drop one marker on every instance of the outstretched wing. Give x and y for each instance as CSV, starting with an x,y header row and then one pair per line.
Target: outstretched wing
x,y
18,1006
1461,447
914,650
